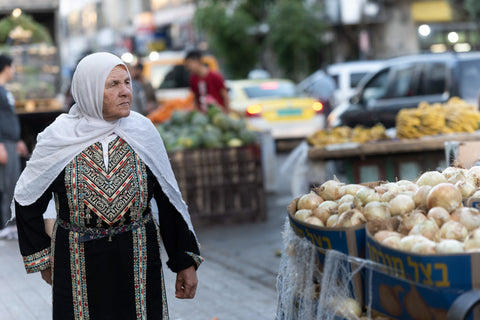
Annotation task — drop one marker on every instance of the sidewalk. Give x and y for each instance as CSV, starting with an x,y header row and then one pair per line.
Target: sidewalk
x,y
236,281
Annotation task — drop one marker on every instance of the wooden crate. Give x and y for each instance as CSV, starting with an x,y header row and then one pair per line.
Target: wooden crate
x,y
221,185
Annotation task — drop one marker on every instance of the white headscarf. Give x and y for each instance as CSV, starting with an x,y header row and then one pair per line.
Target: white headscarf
x,y
83,126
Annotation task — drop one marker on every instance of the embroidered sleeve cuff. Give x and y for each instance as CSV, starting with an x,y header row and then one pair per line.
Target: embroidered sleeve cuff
x,y
196,258
183,260
38,261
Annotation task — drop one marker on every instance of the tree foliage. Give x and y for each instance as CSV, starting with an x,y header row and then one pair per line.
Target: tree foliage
x,y
236,31
466,9
228,35
295,37
39,32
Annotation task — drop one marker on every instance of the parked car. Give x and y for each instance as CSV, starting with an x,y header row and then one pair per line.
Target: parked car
x,y
405,82
276,105
347,75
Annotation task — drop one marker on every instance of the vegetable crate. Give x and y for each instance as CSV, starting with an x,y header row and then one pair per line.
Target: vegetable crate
x,y
221,184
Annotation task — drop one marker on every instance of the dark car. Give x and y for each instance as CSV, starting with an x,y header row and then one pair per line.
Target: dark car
x,y
405,82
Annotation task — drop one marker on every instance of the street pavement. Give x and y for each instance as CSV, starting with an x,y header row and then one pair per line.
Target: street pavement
x,y
236,281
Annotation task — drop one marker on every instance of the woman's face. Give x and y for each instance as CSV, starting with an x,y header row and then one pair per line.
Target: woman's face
x,y
117,96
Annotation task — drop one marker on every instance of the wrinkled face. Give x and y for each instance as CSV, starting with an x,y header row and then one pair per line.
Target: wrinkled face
x,y
117,96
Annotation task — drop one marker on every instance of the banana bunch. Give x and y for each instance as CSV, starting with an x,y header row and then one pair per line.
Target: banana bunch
x,y
453,116
345,134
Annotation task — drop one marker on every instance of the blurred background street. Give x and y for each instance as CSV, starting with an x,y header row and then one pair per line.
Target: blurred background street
x,y
364,90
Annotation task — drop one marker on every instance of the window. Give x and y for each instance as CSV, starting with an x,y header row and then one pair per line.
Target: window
x,y
402,84
355,78
433,79
469,80
376,88
271,89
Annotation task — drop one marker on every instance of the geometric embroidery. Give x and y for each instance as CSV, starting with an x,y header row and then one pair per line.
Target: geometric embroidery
x,y
38,261
140,271
109,194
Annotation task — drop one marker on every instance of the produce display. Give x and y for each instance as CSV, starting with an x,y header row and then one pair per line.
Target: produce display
x,y
426,216
215,129
456,115
345,134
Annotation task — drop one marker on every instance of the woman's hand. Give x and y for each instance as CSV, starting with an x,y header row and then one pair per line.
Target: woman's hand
x,y
186,283
47,275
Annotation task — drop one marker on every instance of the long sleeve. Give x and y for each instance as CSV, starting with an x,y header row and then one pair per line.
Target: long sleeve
x,y
179,241
34,242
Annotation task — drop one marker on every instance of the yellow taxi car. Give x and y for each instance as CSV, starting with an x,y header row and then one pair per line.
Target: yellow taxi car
x,y
277,106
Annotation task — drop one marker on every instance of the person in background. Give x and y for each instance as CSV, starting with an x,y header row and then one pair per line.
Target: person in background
x,y
139,100
11,144
104,165
151,100
207,85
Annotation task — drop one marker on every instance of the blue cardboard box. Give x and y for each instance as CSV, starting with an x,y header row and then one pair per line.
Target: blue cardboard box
x,y
404,285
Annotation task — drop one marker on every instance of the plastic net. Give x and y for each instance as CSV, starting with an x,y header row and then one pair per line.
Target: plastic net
x,y
305,291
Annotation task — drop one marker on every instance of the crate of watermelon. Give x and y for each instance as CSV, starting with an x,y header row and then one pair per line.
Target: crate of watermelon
x,y
217,163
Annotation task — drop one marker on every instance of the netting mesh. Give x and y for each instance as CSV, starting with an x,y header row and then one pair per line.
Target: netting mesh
x,y
305,291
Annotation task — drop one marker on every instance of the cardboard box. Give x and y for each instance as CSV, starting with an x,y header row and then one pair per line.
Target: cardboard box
x,y
466,153
350,241
403,285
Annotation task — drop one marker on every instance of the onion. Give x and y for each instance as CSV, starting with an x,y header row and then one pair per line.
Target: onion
x,y
431,178
303,214
454,174
350,218
410,220
362,196
476,194
444,195
380,190
345,207
439,215
332,220
420,197
347,308
309,201
315,221
350,189
448,246
389,195
466,188
407,242
472,242
376,210
424,247
384,234
474,174
427,228
392,242
346,198
325,210
330,190
453,230
391,187
401,204
405,185
469,217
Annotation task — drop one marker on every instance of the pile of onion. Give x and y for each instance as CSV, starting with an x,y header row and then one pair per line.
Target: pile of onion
x,y
426,216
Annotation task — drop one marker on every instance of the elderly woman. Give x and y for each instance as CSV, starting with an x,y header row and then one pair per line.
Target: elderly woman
x,y
104,164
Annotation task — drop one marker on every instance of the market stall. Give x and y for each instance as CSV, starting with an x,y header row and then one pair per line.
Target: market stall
x,y
390,159
383,250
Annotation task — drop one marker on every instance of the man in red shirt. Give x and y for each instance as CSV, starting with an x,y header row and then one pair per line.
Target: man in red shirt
x,y
207,85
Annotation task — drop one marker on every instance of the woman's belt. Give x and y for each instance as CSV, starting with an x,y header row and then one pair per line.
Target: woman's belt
x,y
88,234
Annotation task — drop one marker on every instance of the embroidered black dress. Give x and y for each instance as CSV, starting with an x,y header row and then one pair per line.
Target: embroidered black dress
x,y
104,250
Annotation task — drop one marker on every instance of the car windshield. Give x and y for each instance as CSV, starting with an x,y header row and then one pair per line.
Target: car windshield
x,y
470,79
271,89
